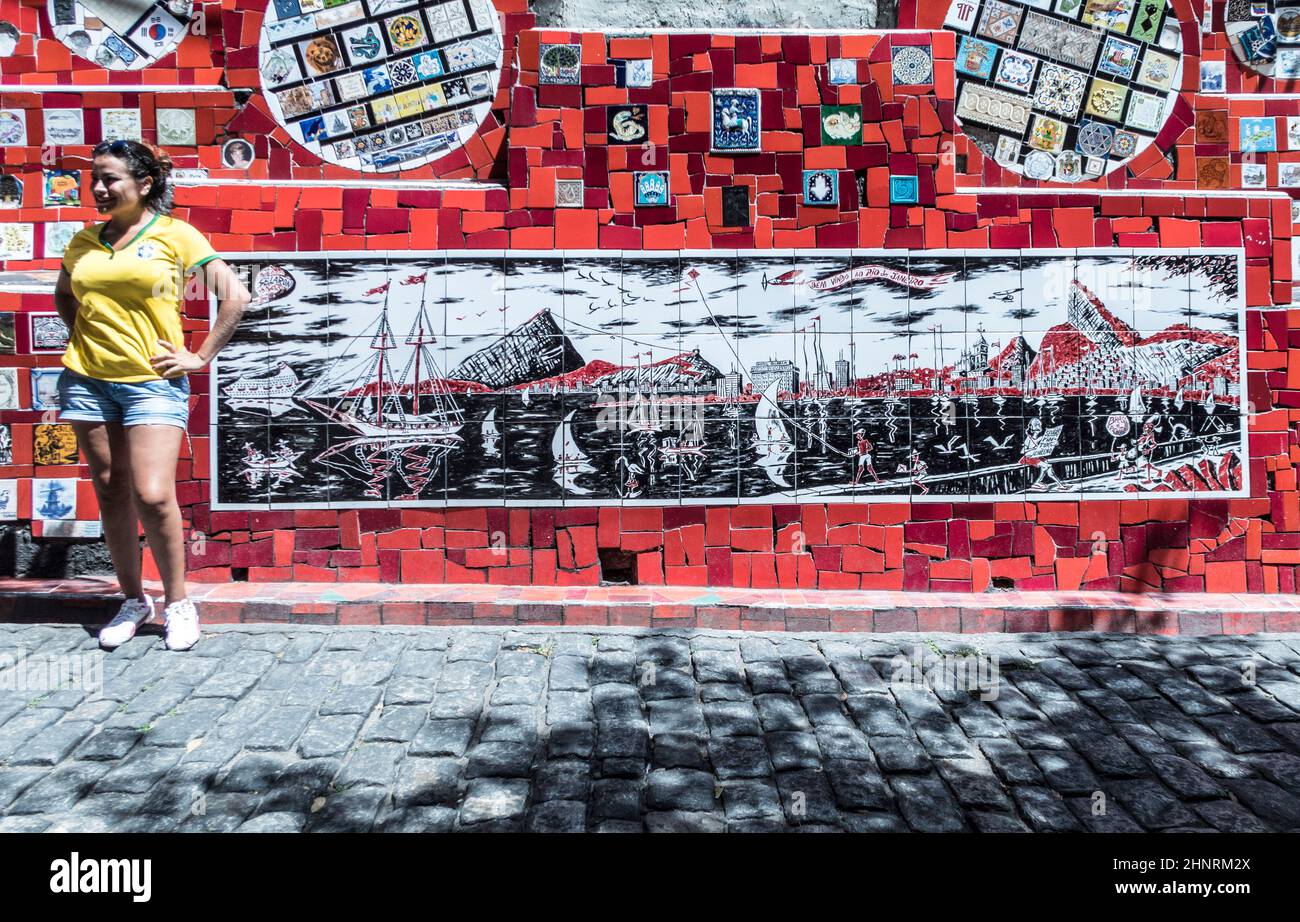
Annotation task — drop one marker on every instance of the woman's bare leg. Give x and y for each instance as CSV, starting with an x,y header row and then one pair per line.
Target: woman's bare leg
x,y
104,447
153,452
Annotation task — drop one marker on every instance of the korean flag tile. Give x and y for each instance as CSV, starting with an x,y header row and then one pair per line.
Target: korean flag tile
x,y
157,32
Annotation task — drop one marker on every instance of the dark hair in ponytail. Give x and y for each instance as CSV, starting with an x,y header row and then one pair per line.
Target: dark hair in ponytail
x,y
144,162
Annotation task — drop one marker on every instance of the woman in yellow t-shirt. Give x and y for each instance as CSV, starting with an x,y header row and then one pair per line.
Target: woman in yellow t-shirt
x,y
124,387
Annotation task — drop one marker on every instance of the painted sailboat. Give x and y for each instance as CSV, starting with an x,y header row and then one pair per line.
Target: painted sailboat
x,y
278,466
380,403
1137,407
769,428
491,434
1208,403
570,459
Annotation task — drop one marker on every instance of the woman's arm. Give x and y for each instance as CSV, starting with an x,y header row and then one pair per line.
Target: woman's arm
x,y
232,298
65,302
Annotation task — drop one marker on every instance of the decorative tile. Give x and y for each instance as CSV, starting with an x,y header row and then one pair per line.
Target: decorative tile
x,y
560,64
62,188
1065,42
1145,112
1212,126
1069,166
1007,151
1148,19
1258,135
58,234
1118,57
1016,71
45,388
651,188
11,192
997,108
9,388
821,187
1106,100
903,190
54,498
1047,134
176,127
736,121
1213,76
1114,15
912,65
54,444
1158,70
961,15
975,57
1288,175
841,124
17,241
1059,90
1001,21
1094,139
842,71
735,206
63,126
1254,176
639,73
1039,165
13,127
120,125
1288,64
627,124
568,193
1124,144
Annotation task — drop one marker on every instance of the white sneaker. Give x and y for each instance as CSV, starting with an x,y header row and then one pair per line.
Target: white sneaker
x,y
132,614
182,620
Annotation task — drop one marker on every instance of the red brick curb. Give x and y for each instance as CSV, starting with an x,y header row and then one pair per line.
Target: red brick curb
x,y
682,607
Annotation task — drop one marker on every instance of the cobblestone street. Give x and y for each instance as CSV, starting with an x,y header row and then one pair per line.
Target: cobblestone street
x,y
472,729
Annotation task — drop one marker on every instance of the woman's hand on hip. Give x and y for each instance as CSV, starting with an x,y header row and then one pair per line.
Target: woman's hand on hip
x,y
175,362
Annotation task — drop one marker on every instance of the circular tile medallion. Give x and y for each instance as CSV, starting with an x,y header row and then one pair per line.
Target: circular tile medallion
x,y
380,85
1065,77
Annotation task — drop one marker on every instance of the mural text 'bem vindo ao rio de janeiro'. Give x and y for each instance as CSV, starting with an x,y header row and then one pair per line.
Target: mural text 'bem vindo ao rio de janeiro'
x,y
653,377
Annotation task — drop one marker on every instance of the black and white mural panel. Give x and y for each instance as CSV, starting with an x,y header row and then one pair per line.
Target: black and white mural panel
x,y
570,378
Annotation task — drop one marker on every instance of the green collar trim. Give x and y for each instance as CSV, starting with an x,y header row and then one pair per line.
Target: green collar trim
x,y
138,235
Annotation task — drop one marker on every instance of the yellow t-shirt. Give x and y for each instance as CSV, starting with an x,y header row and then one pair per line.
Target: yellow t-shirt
x,y
129,298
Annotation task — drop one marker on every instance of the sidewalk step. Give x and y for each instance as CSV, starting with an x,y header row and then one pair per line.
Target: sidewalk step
x,y
87,600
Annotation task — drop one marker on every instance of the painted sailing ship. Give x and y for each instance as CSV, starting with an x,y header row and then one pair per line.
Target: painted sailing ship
x,y
377,401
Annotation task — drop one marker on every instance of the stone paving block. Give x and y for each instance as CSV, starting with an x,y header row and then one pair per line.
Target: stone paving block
x,y
493,799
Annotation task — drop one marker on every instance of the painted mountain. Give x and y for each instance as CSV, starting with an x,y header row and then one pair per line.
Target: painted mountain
x,y
533,350
1095,349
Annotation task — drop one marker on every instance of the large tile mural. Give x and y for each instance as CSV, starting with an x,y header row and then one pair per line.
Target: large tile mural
x,y
800,376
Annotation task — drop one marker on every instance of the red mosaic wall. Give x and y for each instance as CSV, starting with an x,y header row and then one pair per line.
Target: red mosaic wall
x,y
540,133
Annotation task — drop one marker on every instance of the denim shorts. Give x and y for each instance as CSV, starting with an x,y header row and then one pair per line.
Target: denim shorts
x,y
164,402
